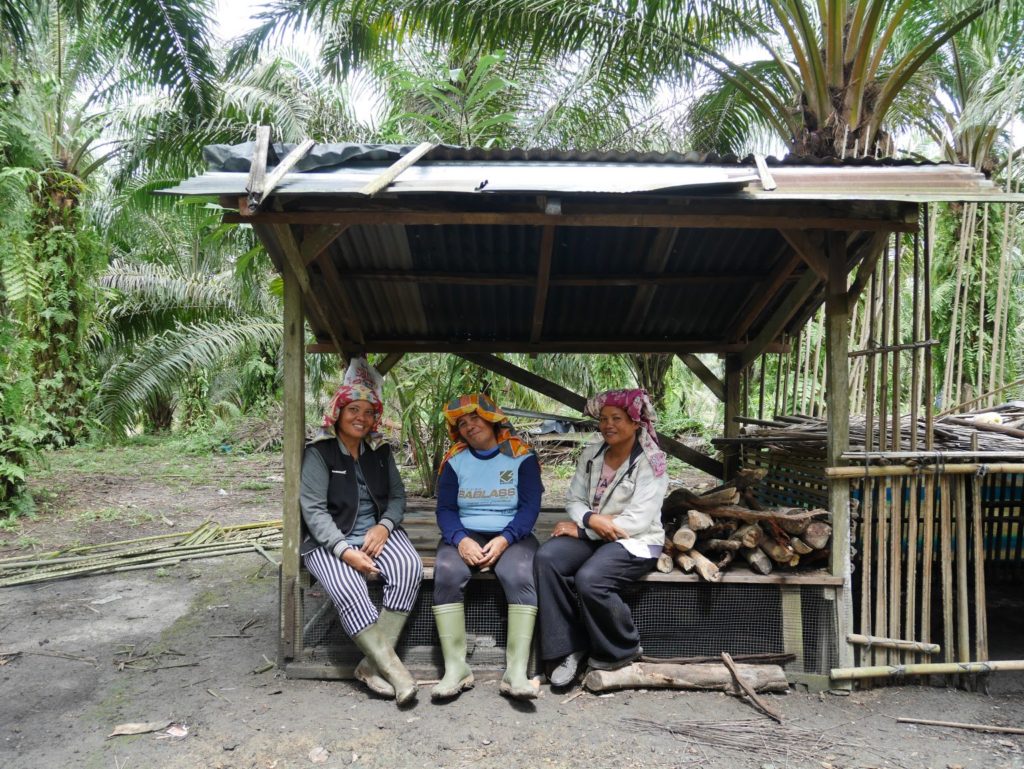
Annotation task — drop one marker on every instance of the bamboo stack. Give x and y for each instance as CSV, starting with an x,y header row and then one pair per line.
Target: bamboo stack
x,y
706,533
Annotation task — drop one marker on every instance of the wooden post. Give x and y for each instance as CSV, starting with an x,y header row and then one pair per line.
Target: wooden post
x,y
730,455
294,437
837,343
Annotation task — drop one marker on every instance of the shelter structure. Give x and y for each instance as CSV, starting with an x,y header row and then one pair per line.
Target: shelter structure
x,y
477,252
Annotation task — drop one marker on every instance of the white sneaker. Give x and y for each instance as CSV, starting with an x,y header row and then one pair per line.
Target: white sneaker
x,y
565,673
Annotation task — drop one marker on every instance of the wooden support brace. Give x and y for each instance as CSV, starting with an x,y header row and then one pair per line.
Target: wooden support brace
x,y
808,247
257,196
316,240
798,295
396,169
704,374
578,402
540,297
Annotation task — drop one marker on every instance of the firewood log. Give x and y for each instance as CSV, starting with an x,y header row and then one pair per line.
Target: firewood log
x,y
757,561
702,677
750,500
749,535
704,567
799,546
665,564
686,562
743,480
778,552
787,515
720,545
725,560
699,521
721,530
817,535
684,538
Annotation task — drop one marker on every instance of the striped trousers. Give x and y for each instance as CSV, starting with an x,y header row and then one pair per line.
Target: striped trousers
x,y
400,569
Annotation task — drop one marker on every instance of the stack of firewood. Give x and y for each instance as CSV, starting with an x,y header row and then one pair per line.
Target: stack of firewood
x,y
705,533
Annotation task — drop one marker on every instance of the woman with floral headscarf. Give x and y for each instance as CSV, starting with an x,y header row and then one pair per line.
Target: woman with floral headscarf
x,y
614,537
352,502
488,499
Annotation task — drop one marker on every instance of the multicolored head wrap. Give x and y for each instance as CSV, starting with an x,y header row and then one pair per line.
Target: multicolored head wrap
x,y
638,405
477,403
361,383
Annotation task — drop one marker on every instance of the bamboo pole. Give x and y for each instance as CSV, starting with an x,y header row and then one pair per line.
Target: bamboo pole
x,y
942,469
896,559
815,385
925,668
915,366
981,303
947,381
882,566
778,383
920,647
978,540
913,511
958,725
883,400
927,560
962,346
963,615
896,338
866,527
929,396
869,390
946,565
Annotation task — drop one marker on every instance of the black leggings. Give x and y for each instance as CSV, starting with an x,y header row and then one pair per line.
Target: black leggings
x,y
514,571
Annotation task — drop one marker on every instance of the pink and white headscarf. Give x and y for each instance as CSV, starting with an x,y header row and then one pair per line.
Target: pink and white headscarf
x,y
638,405
361,383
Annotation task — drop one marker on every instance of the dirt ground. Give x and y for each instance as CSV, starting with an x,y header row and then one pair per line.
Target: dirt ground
x,y
189,646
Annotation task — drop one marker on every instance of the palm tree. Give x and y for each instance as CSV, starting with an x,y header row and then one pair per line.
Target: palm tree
x,y
828,78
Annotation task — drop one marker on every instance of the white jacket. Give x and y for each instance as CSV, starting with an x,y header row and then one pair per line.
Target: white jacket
x,y
633,497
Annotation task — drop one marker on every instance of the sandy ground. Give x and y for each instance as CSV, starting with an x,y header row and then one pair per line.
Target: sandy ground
x,y
189,646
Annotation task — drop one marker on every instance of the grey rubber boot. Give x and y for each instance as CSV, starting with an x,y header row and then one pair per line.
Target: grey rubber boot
x,y
451,628
390,624
521,619
374,645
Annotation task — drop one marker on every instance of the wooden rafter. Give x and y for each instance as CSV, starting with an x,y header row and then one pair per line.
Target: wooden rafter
x,y
807,219
396,169
561,345
389,362
809,246
540,296
774,326
269,182
339,293
316,240
575,401
655,261
704,374
762,295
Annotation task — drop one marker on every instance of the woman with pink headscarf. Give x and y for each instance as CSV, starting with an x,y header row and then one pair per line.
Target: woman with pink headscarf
x,y
613,538
353,501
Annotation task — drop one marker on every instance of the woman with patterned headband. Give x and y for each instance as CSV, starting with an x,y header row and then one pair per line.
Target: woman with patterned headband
x,y
352,502
488,499
614,537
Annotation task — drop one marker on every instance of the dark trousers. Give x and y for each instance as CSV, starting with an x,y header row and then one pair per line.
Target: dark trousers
x,y
514,571
595,572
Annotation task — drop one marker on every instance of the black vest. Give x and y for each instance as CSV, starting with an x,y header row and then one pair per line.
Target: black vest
x,y
343,486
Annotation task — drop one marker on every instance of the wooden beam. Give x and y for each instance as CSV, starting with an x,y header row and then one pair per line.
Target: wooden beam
x,y
655,261
800,220
868,257
762,296
315,240
313,294
294,438
540,295
775,325
809,247
522,279
575,401
320,326
389,362
704,374
396,169
256,198
339,293
590,345
730,454
837,406
258,164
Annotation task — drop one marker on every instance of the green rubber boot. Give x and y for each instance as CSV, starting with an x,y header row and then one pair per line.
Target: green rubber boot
x,y
375,646
521,619
390,624
451,628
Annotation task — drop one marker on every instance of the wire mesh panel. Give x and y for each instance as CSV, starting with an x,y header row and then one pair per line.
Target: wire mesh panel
x,y
674,620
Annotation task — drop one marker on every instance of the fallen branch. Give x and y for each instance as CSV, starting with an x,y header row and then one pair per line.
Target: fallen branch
x,y
758,702
956,725
700,677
